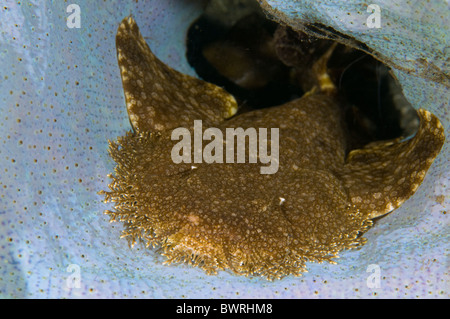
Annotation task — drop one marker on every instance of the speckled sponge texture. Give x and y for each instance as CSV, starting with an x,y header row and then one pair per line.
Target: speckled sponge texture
x,y
62,99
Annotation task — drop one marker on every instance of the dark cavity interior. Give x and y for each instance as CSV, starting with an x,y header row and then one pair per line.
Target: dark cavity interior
x,y
264,64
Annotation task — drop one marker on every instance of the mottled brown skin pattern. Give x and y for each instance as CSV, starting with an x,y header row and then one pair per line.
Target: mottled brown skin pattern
x,y
158,97
229,216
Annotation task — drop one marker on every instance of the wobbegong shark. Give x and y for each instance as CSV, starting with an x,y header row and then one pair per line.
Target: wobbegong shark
x,y
229,216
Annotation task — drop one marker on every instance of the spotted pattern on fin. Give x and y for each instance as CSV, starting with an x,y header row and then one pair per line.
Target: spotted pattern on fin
x,y
159,97
383,175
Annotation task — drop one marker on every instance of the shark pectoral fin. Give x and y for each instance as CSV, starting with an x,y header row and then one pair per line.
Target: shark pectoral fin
x,y
382,176
159,97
